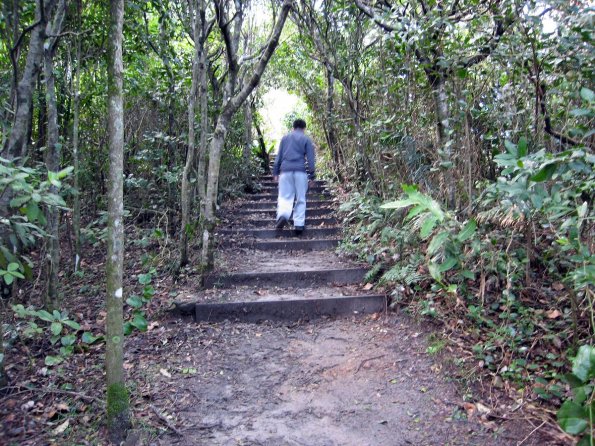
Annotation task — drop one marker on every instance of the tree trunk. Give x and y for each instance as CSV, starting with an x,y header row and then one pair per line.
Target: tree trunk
x,y
118,418
201,177
247,131
186,197
443,130
16,145
264,155
52,159
331,135
76,212
231,105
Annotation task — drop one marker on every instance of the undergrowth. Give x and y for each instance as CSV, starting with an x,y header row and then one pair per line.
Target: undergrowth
x,y
514,280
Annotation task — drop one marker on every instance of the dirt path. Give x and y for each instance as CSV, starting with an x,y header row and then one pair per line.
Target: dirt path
x,y
366,380
356,380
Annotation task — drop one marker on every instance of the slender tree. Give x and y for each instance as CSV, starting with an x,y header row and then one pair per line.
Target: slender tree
x,y
201,29
52,155
118,418
230,26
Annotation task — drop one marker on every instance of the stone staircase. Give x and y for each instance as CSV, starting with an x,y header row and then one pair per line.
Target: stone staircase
x,y
263,273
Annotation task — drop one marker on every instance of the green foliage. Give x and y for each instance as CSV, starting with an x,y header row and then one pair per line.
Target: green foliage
x,y
56,326
577,415
138,317
29,193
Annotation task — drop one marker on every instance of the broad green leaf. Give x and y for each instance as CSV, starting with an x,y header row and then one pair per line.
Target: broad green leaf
x,y
583,365
437,242
511,148
12,267
17,202
427,227
468,274
144,279
68,340
434,269
128,328
447,264
8,278
134,301
587,94
468,231
89,338
72,324
56,328
32,211
45,316
545,173
65,172
53,360
140,322
399,204
17,274
572,418
522,147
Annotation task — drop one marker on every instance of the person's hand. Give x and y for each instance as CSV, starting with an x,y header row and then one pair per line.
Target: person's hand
x,y
276,179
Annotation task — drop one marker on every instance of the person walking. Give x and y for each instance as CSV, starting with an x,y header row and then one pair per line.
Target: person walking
x,y
294,168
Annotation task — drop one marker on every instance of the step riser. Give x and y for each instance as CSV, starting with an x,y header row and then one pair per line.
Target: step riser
x,y
293,279
272,205
317,183
292,310
310,212
310,222
273,197
289,245
311,190
276,233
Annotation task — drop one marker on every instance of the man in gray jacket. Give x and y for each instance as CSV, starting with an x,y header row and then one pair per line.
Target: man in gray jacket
x,y
294,167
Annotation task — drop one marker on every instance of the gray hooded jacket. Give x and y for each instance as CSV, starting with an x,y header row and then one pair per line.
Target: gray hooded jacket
x,y
296,154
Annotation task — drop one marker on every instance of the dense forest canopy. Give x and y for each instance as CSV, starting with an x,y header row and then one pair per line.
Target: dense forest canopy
x,y
459,135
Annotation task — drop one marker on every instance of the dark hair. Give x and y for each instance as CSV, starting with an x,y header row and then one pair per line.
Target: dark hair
x,y
299,124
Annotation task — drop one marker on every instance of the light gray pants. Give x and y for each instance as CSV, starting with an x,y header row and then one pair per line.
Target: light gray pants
x,y
293,185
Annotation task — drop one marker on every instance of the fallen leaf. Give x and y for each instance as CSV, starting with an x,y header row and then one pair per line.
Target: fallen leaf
x,y
553,314
165,373
482,409
469,408
368,286
558,286
60,429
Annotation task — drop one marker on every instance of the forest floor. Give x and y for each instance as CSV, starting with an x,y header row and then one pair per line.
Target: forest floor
x,y
381,379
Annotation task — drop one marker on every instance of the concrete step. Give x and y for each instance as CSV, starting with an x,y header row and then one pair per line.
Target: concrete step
x,y
310,222
312,232
274,184
290,310
272,205
311,190
315,212
273,197
297,244
296,279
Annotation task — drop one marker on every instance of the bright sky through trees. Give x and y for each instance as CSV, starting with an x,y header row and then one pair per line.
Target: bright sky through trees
x,y
277,103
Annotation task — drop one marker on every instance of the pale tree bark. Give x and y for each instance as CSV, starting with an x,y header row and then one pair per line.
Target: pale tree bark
x,y
76,212
231,103
201,175
16,145
52,158
118,418
248,139
200,32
